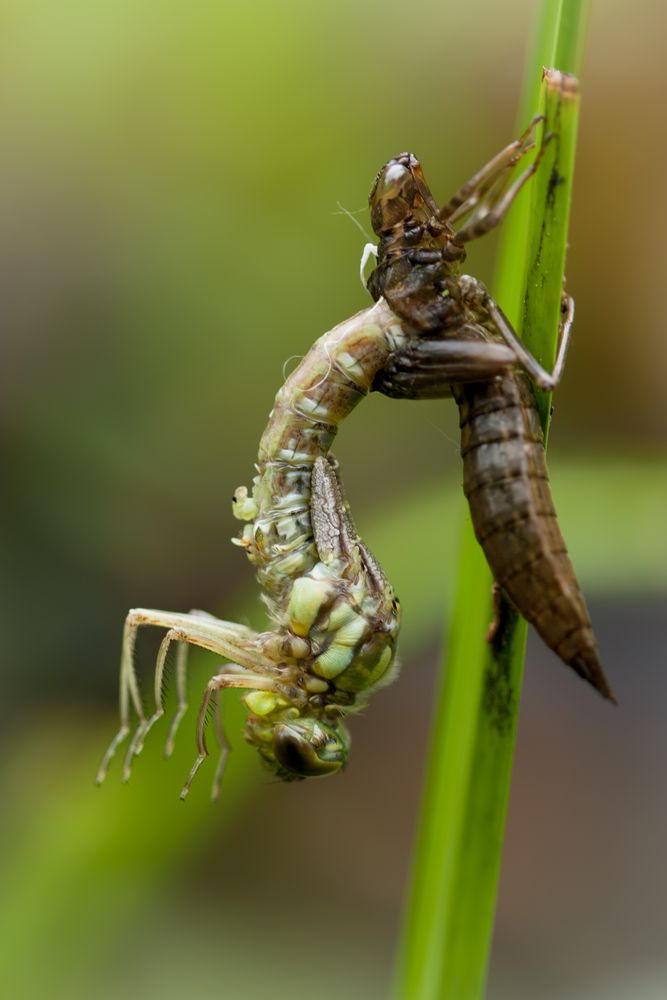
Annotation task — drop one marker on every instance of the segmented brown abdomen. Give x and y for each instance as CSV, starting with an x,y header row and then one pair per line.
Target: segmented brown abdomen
x,y
506,482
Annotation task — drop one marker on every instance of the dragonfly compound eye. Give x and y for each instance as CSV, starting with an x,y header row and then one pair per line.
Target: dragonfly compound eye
x,y
307,748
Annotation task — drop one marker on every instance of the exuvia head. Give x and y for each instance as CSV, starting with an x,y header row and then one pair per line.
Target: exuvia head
x,y
400,195
309,748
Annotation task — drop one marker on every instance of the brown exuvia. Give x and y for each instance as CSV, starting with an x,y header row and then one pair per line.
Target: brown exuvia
x,y
461,344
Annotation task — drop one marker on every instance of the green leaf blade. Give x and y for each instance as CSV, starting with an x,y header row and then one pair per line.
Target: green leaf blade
x,y
449,922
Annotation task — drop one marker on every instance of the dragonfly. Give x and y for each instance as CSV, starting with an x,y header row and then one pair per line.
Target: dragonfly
x,y
334,616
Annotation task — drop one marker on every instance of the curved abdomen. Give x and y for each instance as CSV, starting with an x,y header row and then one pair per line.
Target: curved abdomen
x,y
506,482
335,375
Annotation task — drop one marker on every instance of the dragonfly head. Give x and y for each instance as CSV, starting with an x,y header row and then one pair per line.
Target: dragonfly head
x,y
309,748
400,196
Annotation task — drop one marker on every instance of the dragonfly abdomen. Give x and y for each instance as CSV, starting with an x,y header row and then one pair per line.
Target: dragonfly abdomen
x,y
335,375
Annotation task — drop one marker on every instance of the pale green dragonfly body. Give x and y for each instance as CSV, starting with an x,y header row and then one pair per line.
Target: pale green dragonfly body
x,y
335,617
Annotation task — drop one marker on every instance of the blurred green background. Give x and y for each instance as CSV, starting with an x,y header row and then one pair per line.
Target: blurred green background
x,y
171,181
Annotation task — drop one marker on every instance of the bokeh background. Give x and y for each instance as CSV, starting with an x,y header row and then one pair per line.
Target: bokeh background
x,y
172,176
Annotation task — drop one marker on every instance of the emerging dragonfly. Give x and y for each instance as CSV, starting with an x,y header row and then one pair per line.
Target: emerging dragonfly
x,y
432,332
334,613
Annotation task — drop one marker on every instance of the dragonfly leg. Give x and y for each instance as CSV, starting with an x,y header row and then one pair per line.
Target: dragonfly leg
x,y
427,369
181,697
470,193
129,689
493,209
235,642
181,686
243,679
542,378
181,690
223,745
137,743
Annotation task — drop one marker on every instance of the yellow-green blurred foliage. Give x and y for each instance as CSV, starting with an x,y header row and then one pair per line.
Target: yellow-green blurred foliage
x,y
171,235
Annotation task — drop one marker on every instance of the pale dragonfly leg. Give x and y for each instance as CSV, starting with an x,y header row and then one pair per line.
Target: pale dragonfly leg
x,y
222,744
181,697
181,688
235,642
243,679
137,743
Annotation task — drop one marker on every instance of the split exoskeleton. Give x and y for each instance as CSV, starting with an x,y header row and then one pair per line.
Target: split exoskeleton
x,y
432,332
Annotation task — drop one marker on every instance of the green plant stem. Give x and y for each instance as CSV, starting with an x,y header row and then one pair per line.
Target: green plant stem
x,y
450,917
